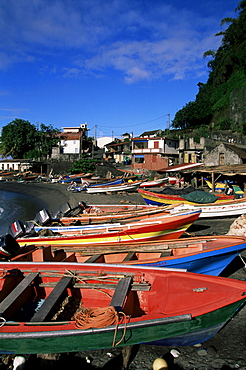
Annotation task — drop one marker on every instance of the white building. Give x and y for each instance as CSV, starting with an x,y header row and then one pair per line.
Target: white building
x,y
19,165
102,141
72,138
72,141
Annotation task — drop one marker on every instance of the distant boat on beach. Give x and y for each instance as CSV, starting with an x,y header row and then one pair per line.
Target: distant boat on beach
x,y
223,207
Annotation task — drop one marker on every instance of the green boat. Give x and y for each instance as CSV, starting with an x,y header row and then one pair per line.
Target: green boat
x,y
72,307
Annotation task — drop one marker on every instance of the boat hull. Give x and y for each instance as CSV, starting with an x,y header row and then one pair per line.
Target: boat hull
x,y
117,181
113,188
104,213
154,183
225,208
155,332
199,255
179,308
170,227
154,198
210,263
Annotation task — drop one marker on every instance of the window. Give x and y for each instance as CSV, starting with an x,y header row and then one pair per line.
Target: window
x,y
222,159
139,159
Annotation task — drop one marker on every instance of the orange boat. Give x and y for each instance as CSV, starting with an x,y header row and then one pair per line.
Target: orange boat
x,y
154,228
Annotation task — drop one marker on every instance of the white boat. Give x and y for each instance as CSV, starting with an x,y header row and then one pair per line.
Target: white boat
x,y
150,184
75,230
234,207
129,186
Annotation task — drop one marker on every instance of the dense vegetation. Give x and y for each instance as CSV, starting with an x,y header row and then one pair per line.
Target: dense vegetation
x,y
220,103
84,165
21,139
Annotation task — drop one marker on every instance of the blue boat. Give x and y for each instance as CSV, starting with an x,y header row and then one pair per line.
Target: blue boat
x,y
203,255
117,181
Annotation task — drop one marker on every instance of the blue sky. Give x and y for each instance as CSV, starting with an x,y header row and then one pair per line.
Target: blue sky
x,y
119,65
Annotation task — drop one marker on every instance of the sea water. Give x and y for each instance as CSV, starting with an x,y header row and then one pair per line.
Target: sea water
x,y
16,206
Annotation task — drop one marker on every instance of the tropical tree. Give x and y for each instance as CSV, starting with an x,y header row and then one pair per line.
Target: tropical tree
x,y
17,138
47,139
227,75
21,139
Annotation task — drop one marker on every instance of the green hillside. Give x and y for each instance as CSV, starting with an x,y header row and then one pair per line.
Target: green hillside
x,y
221,101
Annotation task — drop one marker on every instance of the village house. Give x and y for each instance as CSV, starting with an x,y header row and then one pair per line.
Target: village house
x,y
205,149
191,150
225,154
118,151
74,142
16,165
152,152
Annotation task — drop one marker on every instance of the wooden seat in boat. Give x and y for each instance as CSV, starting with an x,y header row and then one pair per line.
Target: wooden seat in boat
x,y
120,292
93,258
16,292
52,299
129,256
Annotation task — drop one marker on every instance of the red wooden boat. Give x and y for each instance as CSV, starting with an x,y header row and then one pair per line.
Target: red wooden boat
x,y
64,307
168,227
101,213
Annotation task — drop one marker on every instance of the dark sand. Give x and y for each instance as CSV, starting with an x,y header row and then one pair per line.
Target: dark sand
x,y
227,350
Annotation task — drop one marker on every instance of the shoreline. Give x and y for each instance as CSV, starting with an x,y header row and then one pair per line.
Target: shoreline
x,y
53,195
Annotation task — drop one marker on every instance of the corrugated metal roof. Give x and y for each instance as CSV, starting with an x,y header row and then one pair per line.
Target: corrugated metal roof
x,y
239,151
228,170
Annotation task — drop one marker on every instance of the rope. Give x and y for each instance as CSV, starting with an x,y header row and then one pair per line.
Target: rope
x,y
242,260
95,317
3,321
2,273
116,329
102,317
35,223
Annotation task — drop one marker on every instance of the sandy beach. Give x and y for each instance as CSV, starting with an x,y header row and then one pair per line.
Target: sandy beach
x,y
227,350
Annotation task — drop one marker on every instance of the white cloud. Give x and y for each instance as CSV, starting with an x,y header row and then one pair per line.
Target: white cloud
x,y
14,111
143,41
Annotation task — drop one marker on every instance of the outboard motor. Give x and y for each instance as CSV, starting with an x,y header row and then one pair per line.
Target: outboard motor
x,y
29,226
83,205
17,229
9,247
63,210
42,217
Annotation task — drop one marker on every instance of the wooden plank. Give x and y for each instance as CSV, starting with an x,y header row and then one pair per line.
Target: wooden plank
x,y
16,292
142,247
135,286
93,258
120,293
52,299
129,256
166,253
